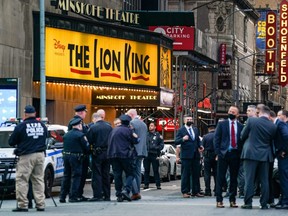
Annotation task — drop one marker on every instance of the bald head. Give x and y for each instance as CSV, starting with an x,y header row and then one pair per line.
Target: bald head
x,y
132,113
101,113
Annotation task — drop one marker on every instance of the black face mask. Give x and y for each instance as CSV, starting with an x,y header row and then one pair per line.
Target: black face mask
x,y
231,116
189,123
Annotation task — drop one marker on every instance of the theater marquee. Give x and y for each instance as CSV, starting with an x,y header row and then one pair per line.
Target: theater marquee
x,y
82,56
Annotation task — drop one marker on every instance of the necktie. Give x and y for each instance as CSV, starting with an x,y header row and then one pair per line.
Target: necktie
x,y
191,134
233,141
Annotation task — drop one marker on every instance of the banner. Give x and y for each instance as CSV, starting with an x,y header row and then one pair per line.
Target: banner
x,y
261,31
82,56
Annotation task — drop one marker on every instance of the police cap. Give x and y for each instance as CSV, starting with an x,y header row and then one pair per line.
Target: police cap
x,y
125,119
29,109
80,108
75,121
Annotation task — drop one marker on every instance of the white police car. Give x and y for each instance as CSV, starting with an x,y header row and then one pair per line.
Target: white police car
x,y
53,166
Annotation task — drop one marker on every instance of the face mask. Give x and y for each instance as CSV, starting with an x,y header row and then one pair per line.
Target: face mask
x,y
189,123
231,116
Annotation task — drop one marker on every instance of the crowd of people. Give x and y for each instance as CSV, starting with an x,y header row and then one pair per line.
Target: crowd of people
x,y
238,157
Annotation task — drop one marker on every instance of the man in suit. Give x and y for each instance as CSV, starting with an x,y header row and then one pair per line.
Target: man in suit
x,y
281,148
258,135
188,148
140,128
227,145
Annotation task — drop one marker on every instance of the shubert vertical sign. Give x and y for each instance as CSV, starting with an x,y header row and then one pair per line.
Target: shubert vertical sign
x,y
270,54
283,28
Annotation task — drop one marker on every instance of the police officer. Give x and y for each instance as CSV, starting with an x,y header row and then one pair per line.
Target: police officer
x,y
210,163
154,146
75,147
29,138
81,112
98,137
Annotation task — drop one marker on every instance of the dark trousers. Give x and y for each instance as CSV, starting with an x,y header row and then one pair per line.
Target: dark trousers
x,y
85,166
100,176
232,161
190,167
271,187
283,177
251,168
72,176
119,165
151,159
210,166
241,179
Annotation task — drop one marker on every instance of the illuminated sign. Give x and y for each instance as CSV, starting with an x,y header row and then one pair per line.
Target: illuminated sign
x,y
125,98
283,32
167,124
183,35
222,54
271,32
81,56
97,11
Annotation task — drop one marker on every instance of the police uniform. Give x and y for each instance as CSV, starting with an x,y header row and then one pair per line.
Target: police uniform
x,y
85,162
154,146
98,137
29,138
210,163
75,147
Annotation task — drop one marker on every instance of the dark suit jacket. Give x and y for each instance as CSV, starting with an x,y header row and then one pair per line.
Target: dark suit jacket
x,y
222,138
281,137
188,147
258,135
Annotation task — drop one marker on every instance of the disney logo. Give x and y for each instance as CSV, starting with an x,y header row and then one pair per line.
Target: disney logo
x,y
58,45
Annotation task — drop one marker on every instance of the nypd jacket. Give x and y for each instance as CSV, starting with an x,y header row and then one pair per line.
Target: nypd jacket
x,y
29,137
154,143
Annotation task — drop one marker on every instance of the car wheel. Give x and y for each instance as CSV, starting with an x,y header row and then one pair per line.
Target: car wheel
x,y
48,182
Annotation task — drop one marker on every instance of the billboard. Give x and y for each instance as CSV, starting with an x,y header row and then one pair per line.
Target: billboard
x,y
8,99
83,56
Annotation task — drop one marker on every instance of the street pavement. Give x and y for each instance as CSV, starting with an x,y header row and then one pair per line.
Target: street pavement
x,y
167,201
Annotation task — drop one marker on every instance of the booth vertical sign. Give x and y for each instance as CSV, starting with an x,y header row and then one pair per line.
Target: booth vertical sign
x,y
283,29
271,38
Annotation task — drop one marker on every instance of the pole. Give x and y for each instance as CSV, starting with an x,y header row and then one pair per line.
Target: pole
x,y
42,61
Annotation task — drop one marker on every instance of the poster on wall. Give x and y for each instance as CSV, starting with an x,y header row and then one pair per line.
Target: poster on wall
x,y
8,99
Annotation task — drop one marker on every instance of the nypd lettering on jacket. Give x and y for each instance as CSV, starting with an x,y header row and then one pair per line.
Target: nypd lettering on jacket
x,y
34,129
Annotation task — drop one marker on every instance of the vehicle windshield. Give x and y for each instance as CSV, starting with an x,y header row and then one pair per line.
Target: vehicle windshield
x,y
4,137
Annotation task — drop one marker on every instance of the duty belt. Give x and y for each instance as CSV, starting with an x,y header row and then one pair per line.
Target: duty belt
x,y
73,154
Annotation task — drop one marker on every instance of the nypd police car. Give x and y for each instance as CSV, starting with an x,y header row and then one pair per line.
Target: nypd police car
x,y
53,166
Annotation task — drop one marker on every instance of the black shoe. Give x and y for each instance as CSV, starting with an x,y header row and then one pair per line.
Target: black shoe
x,y
119,199
95,199
125,196
40,209
207,194
285,206
62,200
83,199
75,200
158,188
264,207
246,206
20,210
106,199
145,187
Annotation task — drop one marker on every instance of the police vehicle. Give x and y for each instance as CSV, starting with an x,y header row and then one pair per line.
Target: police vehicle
x,y
53,166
